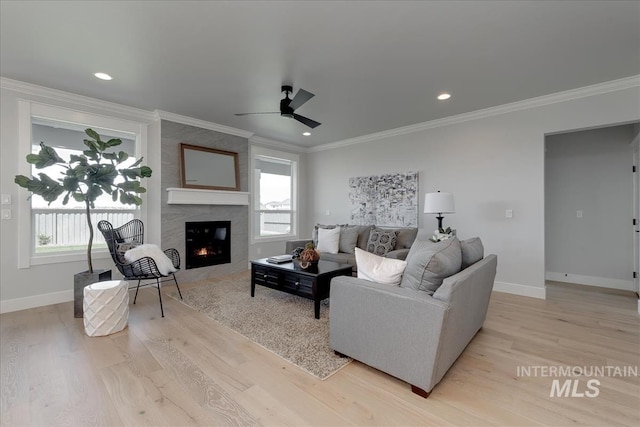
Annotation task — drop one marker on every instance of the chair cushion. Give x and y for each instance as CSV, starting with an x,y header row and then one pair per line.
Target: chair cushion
x,y
382,241
164,264
429,263
379,269
472,251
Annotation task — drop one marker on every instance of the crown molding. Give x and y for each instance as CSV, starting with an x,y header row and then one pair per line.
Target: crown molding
x,y
277,144
583,92
165,115
80,100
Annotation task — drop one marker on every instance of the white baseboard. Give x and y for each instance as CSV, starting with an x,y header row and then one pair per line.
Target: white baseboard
x,y
523,290
17,304
603,282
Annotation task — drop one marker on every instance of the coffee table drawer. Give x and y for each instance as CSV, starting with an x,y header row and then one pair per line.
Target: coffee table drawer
x,y
266,277
300,284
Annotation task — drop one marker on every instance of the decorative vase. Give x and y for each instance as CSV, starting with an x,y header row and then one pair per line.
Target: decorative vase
x,y
304,265
80,280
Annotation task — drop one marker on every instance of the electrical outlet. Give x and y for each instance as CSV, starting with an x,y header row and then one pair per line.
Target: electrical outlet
x,y
327,212
508,213
578,214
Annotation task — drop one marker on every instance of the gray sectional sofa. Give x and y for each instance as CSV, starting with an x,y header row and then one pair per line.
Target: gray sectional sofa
x,y
349,241
417,330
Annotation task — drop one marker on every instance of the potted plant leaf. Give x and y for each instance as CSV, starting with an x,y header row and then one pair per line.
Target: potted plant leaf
x,y
86,177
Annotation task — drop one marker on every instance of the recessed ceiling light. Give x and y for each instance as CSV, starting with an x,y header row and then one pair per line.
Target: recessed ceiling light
x,y
103,76
444,96
306,133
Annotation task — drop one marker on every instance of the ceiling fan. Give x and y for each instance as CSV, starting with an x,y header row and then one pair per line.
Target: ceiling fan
x,y
288,106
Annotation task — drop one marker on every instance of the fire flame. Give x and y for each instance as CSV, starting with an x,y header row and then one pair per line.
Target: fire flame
x,y
202,252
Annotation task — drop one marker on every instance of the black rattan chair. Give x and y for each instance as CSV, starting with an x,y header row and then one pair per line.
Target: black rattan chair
x,y
132,234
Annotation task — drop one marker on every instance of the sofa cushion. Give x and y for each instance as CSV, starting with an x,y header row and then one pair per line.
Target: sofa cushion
x,y
328,240
348,239
472,251
406,236
379,269
339,257
429,263
382,241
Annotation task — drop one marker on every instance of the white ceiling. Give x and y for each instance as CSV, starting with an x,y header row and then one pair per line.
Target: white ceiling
x,y
373,66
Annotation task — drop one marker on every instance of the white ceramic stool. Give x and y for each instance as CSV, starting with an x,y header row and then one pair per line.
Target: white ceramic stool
x,y
106,307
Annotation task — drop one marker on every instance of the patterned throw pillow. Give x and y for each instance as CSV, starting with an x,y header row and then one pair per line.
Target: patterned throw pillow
x,y
122,248
382,241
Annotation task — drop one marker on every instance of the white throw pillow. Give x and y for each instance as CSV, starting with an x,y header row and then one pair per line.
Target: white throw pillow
x,y
329,240
379,269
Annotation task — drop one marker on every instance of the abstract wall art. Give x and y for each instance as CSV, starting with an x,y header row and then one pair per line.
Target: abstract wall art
x,y
385,200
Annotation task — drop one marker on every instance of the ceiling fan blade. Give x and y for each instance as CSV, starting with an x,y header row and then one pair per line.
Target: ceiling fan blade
x,y
248,114
304,120
301,97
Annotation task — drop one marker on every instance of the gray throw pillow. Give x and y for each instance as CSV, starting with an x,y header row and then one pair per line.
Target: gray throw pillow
x,y
382,241
472,251
429,263
348,239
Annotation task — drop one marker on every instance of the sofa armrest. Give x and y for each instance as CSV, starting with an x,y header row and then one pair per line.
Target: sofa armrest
x,y
290,245
396,330
400,254
467,293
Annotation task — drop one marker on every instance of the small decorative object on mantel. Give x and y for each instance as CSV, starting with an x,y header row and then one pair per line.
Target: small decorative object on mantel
x,y
442,234
306,257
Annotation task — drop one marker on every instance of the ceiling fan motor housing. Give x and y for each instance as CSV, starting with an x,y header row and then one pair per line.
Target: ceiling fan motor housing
x,y
285,110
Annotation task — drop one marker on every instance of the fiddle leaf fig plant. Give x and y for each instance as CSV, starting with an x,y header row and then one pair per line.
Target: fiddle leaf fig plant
x,y
87,176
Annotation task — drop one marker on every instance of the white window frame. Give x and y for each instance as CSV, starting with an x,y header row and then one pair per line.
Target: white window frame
x,y
27,110
255,152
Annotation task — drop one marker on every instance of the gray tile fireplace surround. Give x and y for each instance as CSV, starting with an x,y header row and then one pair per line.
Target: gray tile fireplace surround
x,y
174,216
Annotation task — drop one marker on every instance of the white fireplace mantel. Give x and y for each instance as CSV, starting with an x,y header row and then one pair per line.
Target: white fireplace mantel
x,y
193,196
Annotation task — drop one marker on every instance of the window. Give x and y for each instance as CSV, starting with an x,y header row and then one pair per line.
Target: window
x,y
59,228
274,212
56,232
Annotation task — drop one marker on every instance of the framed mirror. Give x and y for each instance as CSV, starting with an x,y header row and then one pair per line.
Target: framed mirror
x,y
209,168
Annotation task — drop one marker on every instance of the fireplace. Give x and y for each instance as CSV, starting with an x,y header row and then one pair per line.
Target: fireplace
x,y
207,243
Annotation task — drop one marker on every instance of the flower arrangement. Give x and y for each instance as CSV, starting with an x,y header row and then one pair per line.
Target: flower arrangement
x,y
307,256
441,234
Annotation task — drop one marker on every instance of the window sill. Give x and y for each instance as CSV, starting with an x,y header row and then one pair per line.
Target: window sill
x,y
67,257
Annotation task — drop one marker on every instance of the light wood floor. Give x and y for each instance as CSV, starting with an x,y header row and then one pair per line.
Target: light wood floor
x,y
186,369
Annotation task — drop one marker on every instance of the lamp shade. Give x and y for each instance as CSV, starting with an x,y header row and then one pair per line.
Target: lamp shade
x,y
439,203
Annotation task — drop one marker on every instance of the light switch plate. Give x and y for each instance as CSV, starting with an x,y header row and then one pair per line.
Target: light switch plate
x,y
508,213
6,213
6,199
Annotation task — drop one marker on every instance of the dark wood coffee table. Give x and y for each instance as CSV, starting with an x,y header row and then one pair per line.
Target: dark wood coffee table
x,y
313,283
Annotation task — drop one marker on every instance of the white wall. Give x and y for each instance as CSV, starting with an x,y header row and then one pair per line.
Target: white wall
x,y
489,164
591,172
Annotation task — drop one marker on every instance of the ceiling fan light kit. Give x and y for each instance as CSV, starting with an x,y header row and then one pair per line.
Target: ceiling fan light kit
x,y
288,106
